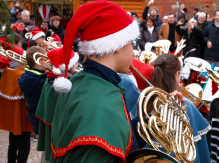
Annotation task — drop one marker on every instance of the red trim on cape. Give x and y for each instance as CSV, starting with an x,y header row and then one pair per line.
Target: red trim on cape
x,y
129,145
43,121
93,140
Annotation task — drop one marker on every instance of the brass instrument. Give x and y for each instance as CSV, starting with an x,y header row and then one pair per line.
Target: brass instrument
x,y
195,99
147,57
14,57
27,35
42,57
212,75
169,125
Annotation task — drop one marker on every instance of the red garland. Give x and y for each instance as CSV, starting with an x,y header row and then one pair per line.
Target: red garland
x,y
93,140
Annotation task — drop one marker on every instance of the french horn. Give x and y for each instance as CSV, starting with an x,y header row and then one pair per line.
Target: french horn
x,y
147,57
168,123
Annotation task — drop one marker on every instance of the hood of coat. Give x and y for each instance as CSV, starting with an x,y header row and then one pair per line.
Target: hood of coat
x,y
143,25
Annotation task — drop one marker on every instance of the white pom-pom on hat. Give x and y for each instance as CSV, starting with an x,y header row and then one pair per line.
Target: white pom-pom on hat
x,y
62,85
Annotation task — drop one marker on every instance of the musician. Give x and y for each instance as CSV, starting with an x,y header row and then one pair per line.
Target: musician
x,y
28,43
13,112
91,123
166,75
39,36
31,84
46,106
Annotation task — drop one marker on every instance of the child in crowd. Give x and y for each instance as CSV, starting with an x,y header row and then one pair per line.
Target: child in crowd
x,y
16,7
46,106
31,84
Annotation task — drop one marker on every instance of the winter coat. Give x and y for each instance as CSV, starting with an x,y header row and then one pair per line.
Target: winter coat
x,y
146,36
211,33
31,84
59,31
145,15
194,40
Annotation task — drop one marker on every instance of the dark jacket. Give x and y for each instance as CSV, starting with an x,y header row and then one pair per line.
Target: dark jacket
x,y
211,33
194,40
181,16
59,31
13,19
145,15
31,83
146,36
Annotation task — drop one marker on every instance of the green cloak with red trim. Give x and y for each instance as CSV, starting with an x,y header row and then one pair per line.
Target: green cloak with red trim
x,y
45,111
93,113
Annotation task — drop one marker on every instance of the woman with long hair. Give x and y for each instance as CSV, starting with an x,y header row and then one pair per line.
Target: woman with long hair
x,y
166,75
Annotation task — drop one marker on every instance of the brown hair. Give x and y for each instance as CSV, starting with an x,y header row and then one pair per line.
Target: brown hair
x,y
151,19
55,18
171,13
16,2
154,8
18,38
30,52
165,67
215,12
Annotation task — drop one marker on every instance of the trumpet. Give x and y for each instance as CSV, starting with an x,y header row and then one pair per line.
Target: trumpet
x,y
14,57
27,35
213,76
169,125
147,57
39,56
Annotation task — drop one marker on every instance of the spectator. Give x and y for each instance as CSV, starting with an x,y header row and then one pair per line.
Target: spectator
x,y
193,36
165,20
195,12
207,10
16,17
153,13
148,32
210,38
57,28
171,31
25,16
16,7
33,19
182,15
134,16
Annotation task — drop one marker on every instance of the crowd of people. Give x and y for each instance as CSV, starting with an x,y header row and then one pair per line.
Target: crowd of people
x,y
91,114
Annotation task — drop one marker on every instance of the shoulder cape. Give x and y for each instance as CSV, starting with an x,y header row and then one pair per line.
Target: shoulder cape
x,y
92,113
9,87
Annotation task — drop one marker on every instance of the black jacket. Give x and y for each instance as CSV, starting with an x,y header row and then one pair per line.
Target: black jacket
x,y
146,36
211,33
31,84
194,40
145,15
59,31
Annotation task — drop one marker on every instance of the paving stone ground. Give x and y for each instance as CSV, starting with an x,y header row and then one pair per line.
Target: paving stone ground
x,y
34,156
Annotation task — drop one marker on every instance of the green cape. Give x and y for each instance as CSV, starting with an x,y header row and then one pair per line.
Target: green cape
x,y
92,113
45,111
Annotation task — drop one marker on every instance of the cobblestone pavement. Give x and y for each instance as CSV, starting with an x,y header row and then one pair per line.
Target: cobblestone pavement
x,y
34,156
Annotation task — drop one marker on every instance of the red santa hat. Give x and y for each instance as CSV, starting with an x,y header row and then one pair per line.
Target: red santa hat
x,y
56,39
57,58
145,69
8,46
4,62
36,33
102,31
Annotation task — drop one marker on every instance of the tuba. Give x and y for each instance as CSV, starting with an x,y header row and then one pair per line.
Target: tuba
x,y
14,57
169,124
